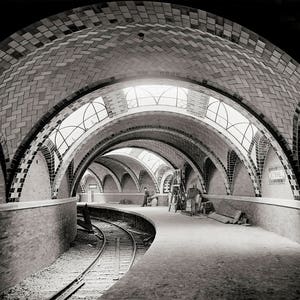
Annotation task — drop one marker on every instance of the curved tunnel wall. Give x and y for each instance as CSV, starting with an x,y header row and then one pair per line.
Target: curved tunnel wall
x,y
37,183
54,66
32,236
273,65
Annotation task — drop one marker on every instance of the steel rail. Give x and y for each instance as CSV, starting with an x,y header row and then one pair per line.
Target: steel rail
x,y
78,282
71,288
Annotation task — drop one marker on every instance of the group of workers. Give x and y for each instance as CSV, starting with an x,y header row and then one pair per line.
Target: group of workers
x,y
192,201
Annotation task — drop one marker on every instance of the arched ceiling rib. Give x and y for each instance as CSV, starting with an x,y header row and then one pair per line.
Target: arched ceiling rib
x,y
119,167
98,169
130,160
56,66
181,142
91,173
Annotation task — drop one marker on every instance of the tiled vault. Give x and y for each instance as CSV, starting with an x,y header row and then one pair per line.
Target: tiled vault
x,y
55,61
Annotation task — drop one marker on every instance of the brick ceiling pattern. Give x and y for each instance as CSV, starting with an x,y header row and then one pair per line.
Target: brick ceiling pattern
x,y
121,167
183,143
47,62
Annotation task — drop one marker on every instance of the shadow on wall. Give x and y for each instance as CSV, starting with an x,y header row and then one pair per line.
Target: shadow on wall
x,y
274,181
37,182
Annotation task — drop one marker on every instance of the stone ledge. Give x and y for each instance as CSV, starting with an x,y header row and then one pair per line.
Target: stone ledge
x,y
289,203
34,204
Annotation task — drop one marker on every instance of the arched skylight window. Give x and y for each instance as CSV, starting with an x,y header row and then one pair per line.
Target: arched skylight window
x,y
240,128
216,113
151,160
146,95
76,124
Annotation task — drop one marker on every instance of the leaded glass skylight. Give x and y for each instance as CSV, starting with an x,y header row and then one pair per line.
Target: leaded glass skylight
x,y
76,124
225,118
151,160
147,95
240,128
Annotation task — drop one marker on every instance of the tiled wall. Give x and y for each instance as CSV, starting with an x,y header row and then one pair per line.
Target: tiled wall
x,y
128,184
242,185
37,183
273,189
58,58
26,235
109,185
282,220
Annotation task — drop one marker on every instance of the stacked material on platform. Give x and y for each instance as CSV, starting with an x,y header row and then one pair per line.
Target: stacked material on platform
x,y
220,218
225,213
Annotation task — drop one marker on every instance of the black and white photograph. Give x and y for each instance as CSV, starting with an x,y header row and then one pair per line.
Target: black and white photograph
x,y
150,150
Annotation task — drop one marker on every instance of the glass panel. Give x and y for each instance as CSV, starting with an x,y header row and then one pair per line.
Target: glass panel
x,y
236,133
249,134
211,115
171,92
102,115
222,112
167,101
146,101
75,134
130,93
63,148
90,122
75,118
58,139
221,121
182,93
234,116
246,144
242,127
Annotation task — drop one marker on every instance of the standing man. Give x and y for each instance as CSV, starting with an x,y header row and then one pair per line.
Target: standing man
x,y
146,195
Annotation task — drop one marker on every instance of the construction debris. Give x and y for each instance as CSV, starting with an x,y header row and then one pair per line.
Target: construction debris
x,y
227,214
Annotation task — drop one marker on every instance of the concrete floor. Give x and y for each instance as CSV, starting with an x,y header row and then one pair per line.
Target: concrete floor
x,y
199,258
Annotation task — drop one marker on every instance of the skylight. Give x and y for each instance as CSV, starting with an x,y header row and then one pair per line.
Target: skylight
x,y
147,95
151,160
76,124
240,128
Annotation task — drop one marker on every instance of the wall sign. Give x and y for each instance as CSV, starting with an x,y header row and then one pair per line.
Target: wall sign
x,y
276,175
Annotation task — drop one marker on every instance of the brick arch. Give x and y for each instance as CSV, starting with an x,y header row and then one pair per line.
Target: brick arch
x,y
100,184
114,178
103,15
49,158
142,175
200,31
296,139
166,179
144,166
262,149
4,160
186,157
105,180
232,160
128,171
125,178
284,162
113,140
207,167
3,191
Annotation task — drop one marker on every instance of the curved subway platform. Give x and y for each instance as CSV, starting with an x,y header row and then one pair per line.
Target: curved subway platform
x,y
199,258
188,104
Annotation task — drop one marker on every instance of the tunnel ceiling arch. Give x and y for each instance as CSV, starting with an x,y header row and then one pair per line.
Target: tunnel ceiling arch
x,y
174,156
178,139
56,66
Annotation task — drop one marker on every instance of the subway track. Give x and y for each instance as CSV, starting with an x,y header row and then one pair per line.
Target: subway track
x,y
115,248
115,258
